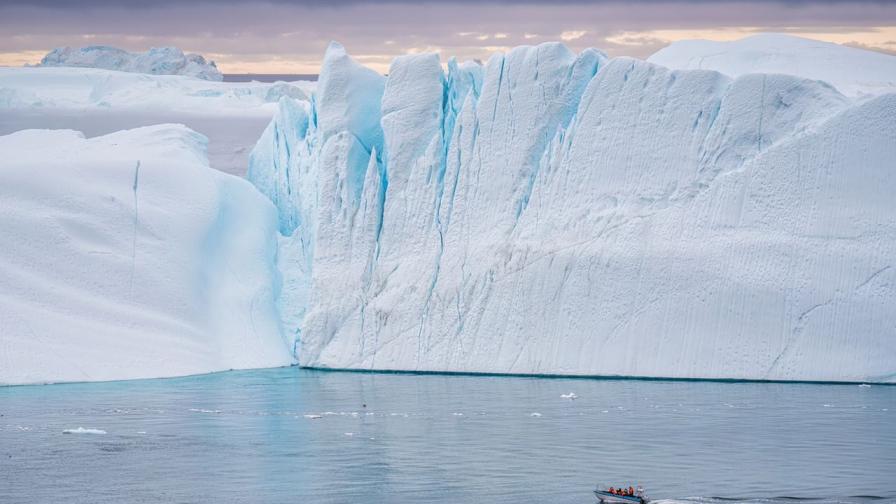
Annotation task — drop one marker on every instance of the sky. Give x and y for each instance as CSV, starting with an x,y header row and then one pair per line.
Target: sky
x,y
290,36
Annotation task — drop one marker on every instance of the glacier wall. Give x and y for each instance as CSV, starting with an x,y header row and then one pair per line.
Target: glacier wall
x,y
554,213
126,256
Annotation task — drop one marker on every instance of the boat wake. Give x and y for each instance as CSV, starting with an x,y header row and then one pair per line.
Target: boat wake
x,y
782,499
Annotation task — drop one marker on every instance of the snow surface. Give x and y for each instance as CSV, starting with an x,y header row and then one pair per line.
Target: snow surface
x,y
125,256
98,102
567,214
35,88
156,61
854,72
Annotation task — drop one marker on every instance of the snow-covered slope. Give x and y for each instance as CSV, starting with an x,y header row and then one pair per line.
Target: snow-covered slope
x,y
44,89
565,214
125,256
232,115
854,72
156,61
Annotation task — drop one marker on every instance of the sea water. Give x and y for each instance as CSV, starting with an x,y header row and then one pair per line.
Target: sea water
x,y
304,436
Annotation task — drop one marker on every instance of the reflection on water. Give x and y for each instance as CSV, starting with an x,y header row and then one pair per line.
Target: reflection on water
x,y
291,435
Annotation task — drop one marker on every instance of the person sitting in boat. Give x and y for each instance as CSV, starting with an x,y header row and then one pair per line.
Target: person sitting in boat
x,y
631,491
612,490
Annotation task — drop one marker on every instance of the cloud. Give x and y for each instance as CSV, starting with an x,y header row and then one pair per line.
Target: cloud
x,y
291,35
887,48
572,34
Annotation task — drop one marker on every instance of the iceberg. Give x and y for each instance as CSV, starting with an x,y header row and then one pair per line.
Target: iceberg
x,y
96,102
854,72
156,61
47,90
569,214
126,256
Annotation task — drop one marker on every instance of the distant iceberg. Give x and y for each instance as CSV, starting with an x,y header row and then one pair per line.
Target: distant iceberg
x,y
156,61
561,213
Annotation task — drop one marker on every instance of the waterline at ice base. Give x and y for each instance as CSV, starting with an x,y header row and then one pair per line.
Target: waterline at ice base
x,y
545,212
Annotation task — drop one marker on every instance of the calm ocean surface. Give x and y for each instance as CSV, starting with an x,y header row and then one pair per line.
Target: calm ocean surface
x,y
303,436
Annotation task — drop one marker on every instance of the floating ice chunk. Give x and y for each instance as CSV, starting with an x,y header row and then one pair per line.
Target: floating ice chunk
x,y
312,417
202,410
570,396
534,414
457,414
82,430
864,385
349,434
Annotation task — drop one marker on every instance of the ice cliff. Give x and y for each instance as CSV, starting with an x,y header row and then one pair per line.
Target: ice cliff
x,y
157,61
126,256
556,213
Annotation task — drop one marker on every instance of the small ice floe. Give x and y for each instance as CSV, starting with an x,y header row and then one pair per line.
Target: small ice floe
x,y
82,430
202,410
312,417
828,405
864,385
23,428
457,414
369,413
141,432
330,413
535,414
605,411
570,396
349,434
